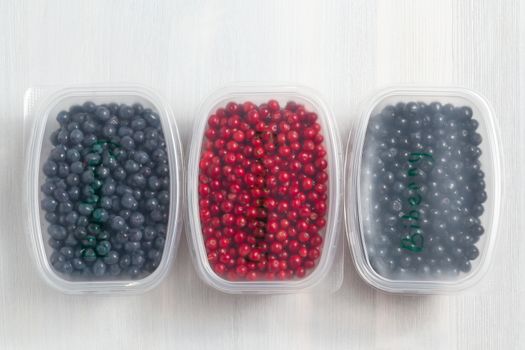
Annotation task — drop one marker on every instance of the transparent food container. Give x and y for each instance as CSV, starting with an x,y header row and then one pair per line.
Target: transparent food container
x,y
264,189
103,187
423,189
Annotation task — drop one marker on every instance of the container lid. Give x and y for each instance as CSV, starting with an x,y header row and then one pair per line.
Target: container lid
x,y
423,189
103,126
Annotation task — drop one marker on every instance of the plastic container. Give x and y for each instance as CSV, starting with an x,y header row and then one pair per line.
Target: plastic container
x,y
42,106
421,217
260,222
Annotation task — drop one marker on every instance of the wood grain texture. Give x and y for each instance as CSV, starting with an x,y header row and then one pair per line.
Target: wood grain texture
x,y
185,50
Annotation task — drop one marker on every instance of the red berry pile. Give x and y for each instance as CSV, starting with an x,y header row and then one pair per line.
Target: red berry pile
x,y
263,191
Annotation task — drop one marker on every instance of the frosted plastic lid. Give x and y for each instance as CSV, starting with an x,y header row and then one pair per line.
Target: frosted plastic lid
x,y
423,189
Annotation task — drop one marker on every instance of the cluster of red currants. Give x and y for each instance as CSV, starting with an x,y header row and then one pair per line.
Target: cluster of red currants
x,y
263,191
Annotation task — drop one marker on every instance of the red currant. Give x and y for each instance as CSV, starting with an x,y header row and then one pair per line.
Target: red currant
x,y
263,191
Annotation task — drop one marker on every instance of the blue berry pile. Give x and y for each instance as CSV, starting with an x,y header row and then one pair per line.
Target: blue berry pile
x,y
423,190
106,192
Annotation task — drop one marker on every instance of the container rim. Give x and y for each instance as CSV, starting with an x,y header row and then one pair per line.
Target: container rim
x,y
249,90
352,211
38,113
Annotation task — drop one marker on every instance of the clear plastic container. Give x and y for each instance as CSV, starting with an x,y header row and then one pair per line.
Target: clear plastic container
x,y
423,189
256,236
117,242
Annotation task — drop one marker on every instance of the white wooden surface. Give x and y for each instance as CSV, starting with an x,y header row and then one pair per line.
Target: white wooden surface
x,y
186,49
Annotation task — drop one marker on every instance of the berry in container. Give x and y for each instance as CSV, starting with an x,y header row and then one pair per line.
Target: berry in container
x,y
103,187
423,189
264,189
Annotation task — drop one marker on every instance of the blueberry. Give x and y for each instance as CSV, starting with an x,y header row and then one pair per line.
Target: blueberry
x,y
119,174
163,197
60,195
138,124
79,117
111,258
94,228
48,204
124,131
159,242
76,136
156,215
152,118
136,219
137,260
125,261
93,159
127,143
131,246
118,224
55,243
80,232
48,187
131,166
71,218
50,168
108,131
57,232
53,138
51,217
65,267
89,126
151,144
138,137
125,111
162,170
105,202
102,113
63,170
114,270
137,194
72,126
89,241
151,204
141,157
71,241
89,255
88,176
82,221
99,268
63,117
154,255
138,181
58,154
78,264
100,215
77,167
109,161
85,209
67,252
128,201
149,233
63,137
138,108
72,179
154,183
89,140
103,248
134,271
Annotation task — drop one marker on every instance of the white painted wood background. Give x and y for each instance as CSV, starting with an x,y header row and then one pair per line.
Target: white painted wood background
x,y
186,49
